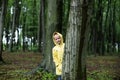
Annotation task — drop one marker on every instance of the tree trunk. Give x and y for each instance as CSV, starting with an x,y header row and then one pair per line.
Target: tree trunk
x,y
15,21
49,26
7,31
84,37
92,41
51,21
74,63
105,24
41,28
99,19
72,42
23,31
2,21
114,26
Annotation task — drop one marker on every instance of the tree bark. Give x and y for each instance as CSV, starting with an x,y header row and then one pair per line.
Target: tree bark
x,y
70,61
74,61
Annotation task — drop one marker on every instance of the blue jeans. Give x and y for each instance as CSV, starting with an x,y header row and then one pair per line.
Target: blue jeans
x,y
59,77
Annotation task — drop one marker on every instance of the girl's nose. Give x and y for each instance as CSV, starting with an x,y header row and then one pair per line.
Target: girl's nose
x,y
59,40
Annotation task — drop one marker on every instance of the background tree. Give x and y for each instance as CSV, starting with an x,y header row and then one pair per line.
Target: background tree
x,y
103,25
2,21
15,21
23,21
118,25
66,9
41,28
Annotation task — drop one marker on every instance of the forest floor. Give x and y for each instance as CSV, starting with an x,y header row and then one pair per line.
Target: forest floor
x,y
17,64
98,68
103,68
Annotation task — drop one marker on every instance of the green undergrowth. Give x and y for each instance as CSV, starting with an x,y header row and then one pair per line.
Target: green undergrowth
x,y
40,75
21,75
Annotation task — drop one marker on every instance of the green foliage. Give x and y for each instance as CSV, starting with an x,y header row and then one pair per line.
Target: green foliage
x,y
48,76
40,74
99,75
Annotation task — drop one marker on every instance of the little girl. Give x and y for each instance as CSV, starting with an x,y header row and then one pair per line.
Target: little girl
x,y
57,52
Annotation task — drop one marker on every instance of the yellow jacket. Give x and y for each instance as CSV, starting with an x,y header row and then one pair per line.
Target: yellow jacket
x,y
57,52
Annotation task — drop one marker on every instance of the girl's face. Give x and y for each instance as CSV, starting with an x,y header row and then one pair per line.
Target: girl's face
x,y
57,39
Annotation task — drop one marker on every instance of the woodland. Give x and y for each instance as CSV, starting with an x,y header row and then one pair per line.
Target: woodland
x,y
91,32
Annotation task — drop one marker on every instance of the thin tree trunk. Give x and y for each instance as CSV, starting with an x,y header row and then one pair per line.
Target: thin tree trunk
x,y
7,32
15,21
99,19
23,30
41,28
66,10
114,25
2,21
